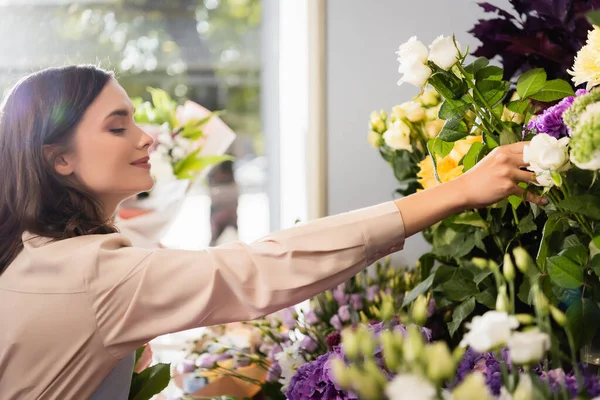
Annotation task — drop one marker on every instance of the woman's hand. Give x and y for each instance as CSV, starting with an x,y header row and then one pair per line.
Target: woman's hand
x,y
496,177
493,179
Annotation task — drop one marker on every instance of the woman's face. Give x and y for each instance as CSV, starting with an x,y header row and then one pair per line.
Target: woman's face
x,y
110,153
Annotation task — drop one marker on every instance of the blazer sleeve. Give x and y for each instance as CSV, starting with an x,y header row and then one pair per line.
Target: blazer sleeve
x,y
138,294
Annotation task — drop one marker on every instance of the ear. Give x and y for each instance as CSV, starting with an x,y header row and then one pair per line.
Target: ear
x,y
63,162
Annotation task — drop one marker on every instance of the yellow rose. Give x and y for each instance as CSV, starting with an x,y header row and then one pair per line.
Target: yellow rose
x,y
508,115
461,147
447,167
430,97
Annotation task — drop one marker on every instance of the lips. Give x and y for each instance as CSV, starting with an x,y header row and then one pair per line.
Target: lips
x,y
142,162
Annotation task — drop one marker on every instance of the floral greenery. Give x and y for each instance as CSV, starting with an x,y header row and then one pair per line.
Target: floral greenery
x,y
534,34
150,381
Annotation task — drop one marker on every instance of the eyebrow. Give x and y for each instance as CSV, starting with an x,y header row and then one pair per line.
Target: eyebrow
x,y
121,112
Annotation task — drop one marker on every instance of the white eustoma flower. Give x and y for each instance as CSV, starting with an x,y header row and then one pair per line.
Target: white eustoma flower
x,y
178,153
160,167
410,387
489,331
414,111
398,136
413,49
289,360
528,347
443,52
546,154
165,139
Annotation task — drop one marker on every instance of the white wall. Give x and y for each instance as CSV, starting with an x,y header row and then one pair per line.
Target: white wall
x,y
362,37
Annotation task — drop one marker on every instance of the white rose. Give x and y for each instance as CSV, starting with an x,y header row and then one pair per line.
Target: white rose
x,y
592,165
443,52
410,387
433,112
546,153
398,136
415,72
528,347
414,49
489,331
413,110
374,139
161,168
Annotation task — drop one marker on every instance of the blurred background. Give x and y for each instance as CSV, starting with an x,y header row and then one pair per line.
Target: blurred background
x,y
264,62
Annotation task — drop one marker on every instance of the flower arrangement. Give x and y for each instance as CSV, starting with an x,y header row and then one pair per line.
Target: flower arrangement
x,y
280,345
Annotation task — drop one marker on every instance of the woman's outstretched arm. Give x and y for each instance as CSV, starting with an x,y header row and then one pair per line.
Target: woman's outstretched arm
x,y
138,294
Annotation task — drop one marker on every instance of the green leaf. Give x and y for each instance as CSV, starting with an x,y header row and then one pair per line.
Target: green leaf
x,y
493,91
150,382
515,201
490,141
453,241
453,130
193,164
453,109
584,204
402,165
531,82
583,317
526,224
487,298
553,90
459,289
471,218
138,353
518,106
565,272
490,72
473,156
552,227
460,314
525,292
448,85
595,265
476,65
418,290
572,241
439,148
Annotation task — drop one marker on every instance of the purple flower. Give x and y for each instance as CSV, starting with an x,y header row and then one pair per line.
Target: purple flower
x,y
311,317
336,323
314,380
309,344
288,318
357,301
240,361
208,360
372,291
339,294
431,308
192,384
273,373
186,366
550,121
344,313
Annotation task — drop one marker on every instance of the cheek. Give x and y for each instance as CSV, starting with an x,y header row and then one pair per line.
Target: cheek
x,y
101,163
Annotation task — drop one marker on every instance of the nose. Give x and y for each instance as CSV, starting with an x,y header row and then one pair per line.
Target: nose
x,y
146,140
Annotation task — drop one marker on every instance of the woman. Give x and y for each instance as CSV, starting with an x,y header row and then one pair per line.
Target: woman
x,y
76,299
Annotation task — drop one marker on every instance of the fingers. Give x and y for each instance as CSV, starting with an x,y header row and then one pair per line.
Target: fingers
x,y
524,176
530,197
516,148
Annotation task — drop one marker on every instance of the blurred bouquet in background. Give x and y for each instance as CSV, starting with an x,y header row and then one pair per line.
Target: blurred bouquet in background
x,y
184,144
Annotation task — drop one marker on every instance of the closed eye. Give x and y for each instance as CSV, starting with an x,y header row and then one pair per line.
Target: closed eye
x,y
118,131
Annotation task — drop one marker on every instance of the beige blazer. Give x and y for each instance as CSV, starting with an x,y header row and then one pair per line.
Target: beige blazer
x,y
70,310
